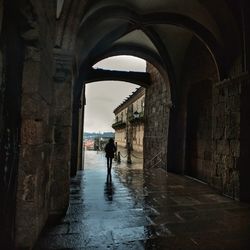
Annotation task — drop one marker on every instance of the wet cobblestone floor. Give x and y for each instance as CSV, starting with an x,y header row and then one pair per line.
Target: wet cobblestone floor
x,y
146,209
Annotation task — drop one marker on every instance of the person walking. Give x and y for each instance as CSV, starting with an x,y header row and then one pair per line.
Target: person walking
x,y
110,150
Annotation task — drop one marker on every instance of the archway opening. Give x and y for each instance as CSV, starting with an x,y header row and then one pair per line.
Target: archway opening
x,y
115,109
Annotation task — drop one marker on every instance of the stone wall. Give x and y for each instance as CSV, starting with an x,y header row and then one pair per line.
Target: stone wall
x,y
244,159
34,174
193,113
199,131
214,148
157,102
44,171
60,174
226,137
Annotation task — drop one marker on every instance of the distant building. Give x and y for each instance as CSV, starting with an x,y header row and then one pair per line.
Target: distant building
x,y
129,121
96,141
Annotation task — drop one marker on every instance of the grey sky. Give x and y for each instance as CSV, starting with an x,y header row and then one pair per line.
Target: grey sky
x,y
103,97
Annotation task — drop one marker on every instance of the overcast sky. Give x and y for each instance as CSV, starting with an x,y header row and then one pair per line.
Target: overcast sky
x,y
103,97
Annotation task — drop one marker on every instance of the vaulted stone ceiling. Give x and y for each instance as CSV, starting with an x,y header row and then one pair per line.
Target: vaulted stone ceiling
x,y
159,31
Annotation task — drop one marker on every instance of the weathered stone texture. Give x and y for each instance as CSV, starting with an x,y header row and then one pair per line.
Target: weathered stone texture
x,y
61,147
209,129
226,137
222,172
157,100
32,132
33,194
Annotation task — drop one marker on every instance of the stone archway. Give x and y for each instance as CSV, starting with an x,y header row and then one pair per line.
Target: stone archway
x,y
199,70
45,117
162,79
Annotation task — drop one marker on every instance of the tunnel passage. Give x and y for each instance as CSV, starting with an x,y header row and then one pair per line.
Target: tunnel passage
x,y
60,41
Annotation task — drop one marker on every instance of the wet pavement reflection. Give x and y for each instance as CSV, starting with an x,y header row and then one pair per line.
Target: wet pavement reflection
x,y
145,209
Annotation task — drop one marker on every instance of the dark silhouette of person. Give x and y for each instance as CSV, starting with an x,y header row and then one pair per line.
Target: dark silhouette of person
x,y
110,150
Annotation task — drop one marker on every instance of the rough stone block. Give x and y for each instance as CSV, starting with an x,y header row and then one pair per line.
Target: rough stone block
x,y
232,132
233,104
233,89
219,110
62,135
229,162
32,132
63,117
216,158
216,182
61,152
46,85
31,77
34,107
25,221
60,182
231,183
222,147
219,169
29,188
63,95
32,158
208,155
218,133
235,148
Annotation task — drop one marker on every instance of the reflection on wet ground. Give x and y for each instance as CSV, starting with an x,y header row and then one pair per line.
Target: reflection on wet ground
x,y
136,209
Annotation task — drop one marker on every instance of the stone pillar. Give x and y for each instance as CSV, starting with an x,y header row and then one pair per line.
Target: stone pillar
x,y
60,175
80,133
157,100
74,136
35,148
77,155
33,191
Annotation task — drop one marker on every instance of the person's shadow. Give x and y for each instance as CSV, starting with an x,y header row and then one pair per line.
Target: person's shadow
x,y
109,188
